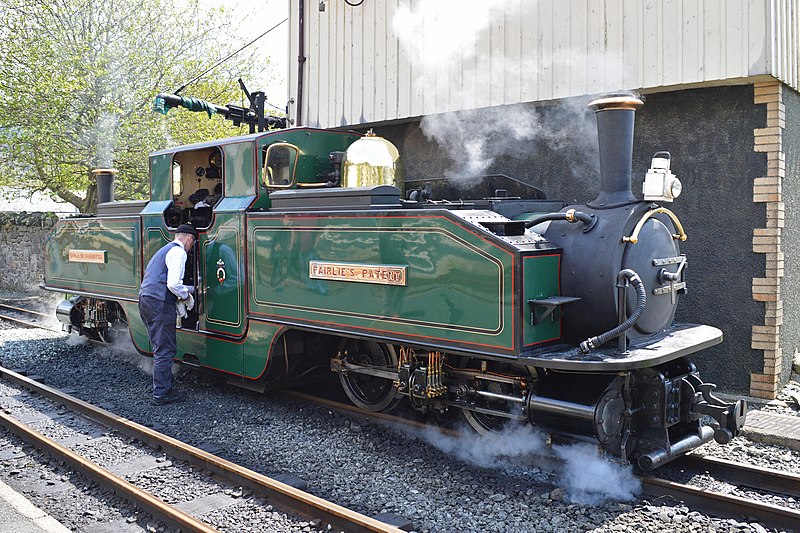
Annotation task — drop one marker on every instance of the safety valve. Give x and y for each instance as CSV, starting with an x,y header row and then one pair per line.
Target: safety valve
x,y
660,184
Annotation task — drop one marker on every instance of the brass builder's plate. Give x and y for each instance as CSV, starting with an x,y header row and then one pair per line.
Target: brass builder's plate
x,y
88,256
357,272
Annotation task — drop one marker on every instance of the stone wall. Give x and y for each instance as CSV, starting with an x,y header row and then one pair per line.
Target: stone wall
x,y
22,237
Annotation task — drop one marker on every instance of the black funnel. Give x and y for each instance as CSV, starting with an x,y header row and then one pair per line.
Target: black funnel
x,y
105,184
615,116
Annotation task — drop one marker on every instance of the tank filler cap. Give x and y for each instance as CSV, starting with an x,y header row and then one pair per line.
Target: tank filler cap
x,y
372,161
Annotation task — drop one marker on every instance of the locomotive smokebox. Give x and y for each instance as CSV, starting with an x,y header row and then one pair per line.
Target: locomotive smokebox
x,y
615,116
105,184
629,234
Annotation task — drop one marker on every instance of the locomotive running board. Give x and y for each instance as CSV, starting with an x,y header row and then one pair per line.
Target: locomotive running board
x,y
678,341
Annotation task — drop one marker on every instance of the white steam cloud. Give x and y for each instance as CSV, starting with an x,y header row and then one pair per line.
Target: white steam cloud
x,y
437,32
485,451
450,43
585,476
123,349
589,479
73,339
106,130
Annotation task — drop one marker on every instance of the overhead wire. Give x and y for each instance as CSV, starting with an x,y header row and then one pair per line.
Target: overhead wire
x,y
218,63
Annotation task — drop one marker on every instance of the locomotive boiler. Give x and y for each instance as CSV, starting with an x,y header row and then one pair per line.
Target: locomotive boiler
x,y
509,308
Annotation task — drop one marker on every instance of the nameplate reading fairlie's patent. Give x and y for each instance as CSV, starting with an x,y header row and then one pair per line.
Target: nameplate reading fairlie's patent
x,y
88,256
378,274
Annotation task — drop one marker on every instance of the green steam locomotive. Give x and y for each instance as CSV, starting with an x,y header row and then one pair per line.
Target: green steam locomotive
x,y
315,256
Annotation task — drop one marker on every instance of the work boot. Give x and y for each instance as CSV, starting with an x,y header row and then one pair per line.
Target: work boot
x,y
172,396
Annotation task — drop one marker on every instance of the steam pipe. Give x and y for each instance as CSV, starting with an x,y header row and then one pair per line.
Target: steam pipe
x,y
301,61
570,216
615,118
624,275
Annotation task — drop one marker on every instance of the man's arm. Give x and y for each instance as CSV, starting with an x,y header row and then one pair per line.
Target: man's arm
x,y
176,263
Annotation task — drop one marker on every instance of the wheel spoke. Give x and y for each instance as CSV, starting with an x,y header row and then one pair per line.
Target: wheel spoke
x,y
485,423
370,393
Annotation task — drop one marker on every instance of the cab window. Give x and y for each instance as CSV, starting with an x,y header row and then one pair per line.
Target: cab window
x,y
280,162
177,182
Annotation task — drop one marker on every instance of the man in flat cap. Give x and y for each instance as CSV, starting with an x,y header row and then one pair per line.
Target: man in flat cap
x,y
162,288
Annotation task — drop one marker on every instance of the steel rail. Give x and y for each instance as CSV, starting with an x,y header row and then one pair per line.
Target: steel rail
x,y
28,324
756,477
29,311
289,497
162,510
722,505
25,322
370,415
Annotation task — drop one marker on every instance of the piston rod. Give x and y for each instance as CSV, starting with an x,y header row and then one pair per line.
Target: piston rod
x,y
495,396
560,408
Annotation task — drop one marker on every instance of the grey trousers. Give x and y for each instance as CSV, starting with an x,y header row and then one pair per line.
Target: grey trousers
x,y
159,319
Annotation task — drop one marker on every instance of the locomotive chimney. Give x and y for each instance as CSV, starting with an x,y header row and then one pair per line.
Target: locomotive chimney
x,y
105,184
615,115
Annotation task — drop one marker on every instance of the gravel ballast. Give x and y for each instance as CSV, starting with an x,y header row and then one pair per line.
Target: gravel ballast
x,y
450,486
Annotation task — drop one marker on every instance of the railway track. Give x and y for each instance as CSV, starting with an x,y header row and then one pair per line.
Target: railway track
x,y
719,504
711,502
281,495
741,477
27,317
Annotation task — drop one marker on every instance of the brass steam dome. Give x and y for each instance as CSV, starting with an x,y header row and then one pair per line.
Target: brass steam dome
x,y
372,161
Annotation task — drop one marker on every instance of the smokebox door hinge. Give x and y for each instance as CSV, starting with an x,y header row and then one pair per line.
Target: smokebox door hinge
x,y
541,309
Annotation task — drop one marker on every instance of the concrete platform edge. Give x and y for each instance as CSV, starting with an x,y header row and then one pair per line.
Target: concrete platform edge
x,y
29,511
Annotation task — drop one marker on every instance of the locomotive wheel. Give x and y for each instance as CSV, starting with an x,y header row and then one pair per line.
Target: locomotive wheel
x,y
370,393
483,423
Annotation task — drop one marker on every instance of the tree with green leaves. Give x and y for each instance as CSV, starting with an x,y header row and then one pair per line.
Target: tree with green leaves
x,y
78,80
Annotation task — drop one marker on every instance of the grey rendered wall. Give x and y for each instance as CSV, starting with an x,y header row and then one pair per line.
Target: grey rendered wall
x,y
790,284
709,133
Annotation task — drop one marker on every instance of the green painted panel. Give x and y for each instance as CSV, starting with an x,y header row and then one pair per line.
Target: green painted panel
x,y
98,255
238,161
155,235
215,353
255,352
459,282
221,260
161,177
540,280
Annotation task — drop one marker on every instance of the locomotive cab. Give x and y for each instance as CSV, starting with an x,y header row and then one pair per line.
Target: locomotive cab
x,y
197,185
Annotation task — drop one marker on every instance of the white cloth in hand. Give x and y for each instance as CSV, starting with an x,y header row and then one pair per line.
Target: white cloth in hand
x,y
184,306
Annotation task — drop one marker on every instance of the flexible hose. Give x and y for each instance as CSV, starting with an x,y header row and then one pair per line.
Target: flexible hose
x,y
572,216
634,279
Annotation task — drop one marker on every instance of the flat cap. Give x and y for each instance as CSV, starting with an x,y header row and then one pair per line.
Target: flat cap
x,y
186,228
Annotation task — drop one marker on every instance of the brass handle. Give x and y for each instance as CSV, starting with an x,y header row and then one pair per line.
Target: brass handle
x,y
680,236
